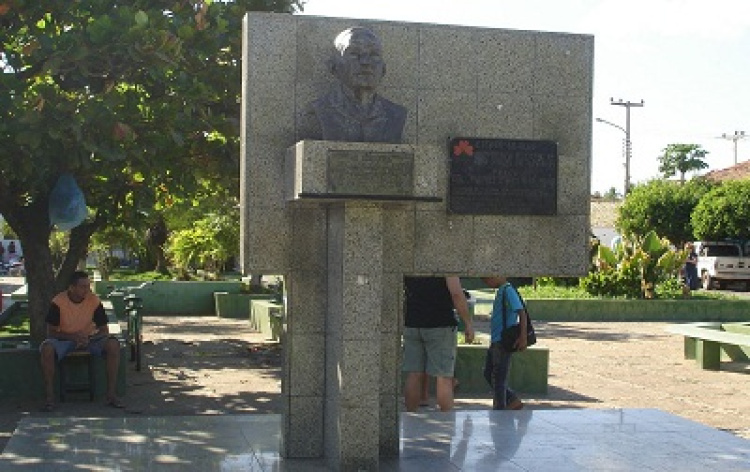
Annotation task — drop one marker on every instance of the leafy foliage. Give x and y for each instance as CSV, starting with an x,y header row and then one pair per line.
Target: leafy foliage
x,y
682,158
664,207
209,243
137,99
724,212
634,269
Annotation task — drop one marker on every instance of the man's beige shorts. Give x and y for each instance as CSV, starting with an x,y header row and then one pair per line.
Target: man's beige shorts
x,y
431,350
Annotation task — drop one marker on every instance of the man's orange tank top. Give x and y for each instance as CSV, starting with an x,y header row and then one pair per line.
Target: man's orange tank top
x,y
75,317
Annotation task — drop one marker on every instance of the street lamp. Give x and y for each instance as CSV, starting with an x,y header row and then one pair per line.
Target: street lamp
x,y
628,145
735,137
627,159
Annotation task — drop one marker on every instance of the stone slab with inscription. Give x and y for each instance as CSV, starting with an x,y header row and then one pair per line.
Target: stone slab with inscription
x,y
328,170
502,177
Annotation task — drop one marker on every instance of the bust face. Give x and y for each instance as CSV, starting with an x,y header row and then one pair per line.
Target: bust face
x,y
361,65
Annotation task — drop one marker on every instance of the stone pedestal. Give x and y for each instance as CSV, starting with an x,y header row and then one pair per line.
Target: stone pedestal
x,y
342,372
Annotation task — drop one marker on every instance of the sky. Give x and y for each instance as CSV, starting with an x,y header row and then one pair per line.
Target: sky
x,y
688,60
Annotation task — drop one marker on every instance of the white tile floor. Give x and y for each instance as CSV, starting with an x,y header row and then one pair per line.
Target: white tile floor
x,y
476,441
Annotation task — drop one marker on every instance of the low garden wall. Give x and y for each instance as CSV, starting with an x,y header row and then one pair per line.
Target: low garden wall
x,y
638,310
172,297
236,305
22,374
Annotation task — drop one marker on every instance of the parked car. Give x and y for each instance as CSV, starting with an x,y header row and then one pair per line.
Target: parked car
x,y
723,262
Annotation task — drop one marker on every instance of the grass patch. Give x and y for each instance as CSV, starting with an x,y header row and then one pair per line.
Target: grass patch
x,y
130,275
576,293
16,324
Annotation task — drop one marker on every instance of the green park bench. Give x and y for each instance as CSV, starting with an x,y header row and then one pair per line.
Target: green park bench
x,y
705,343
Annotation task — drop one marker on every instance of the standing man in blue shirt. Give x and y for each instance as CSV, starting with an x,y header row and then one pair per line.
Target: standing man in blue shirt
x,y
497,362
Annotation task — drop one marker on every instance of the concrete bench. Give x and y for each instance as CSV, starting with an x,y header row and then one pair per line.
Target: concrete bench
x,y
22,373
267,317
529,370
705,342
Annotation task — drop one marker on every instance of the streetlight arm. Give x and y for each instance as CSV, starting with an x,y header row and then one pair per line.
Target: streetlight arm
x,y
612,124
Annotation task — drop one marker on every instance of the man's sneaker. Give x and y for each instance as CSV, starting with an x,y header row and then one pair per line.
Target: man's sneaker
x,y
515,404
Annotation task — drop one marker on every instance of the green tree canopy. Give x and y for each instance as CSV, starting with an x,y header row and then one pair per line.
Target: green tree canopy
x,y
724,212
138,99
681,158
662,206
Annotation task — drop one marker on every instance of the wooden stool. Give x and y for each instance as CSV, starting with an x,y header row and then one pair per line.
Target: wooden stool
x,y
66,385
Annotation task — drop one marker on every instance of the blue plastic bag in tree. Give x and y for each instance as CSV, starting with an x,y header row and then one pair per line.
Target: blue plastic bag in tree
x,y
67,205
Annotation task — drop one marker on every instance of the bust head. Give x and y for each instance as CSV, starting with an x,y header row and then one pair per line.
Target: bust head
x,y
352,110
358,60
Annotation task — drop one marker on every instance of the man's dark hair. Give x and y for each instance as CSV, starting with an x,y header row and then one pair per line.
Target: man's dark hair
x,y
76,276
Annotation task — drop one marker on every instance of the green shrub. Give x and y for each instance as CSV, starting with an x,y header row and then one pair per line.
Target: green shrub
x,y
662,206
553,291
634,268
16,324
723,212
670,288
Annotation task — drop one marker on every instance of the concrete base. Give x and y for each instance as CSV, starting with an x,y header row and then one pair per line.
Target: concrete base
x,y
22,375
541,440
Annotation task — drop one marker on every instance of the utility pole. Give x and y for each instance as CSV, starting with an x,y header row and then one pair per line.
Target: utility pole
x,y
735,137
628,145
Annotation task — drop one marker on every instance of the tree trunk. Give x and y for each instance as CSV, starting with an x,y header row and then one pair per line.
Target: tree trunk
x,y
161,260
32,226
156,238
33,231
78,246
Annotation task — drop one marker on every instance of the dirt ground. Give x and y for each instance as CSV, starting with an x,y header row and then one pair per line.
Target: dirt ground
x,y
209,365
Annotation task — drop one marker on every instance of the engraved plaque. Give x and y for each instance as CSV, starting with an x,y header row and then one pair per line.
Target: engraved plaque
x,y
502,177
370,173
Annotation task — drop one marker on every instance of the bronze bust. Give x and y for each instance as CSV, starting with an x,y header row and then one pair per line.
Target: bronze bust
x,y
353,110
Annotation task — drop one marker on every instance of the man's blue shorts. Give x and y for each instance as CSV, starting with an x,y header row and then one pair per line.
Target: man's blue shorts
x,y
63,347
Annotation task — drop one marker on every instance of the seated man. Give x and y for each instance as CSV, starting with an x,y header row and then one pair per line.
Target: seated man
x,y
76,321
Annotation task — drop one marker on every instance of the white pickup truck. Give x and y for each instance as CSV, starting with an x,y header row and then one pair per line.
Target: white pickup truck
x,y
723,262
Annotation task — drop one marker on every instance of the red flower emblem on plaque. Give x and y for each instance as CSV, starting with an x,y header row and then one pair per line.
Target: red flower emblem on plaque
x,y
463,148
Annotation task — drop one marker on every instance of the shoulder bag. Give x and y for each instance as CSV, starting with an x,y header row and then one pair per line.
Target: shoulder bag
x,y
510,334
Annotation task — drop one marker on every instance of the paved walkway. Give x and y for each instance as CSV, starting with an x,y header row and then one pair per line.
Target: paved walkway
x,y
208,365
640,365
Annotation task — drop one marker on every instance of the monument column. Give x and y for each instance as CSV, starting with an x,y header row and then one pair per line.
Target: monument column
x,y
351,244
342,368
352,403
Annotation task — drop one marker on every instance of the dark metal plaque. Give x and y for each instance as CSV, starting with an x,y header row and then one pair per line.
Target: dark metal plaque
x,y
370,173
502,177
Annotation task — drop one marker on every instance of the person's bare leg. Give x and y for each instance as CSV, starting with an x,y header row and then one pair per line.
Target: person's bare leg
x,y
413,390
48,372
112,348
425,400
444,392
